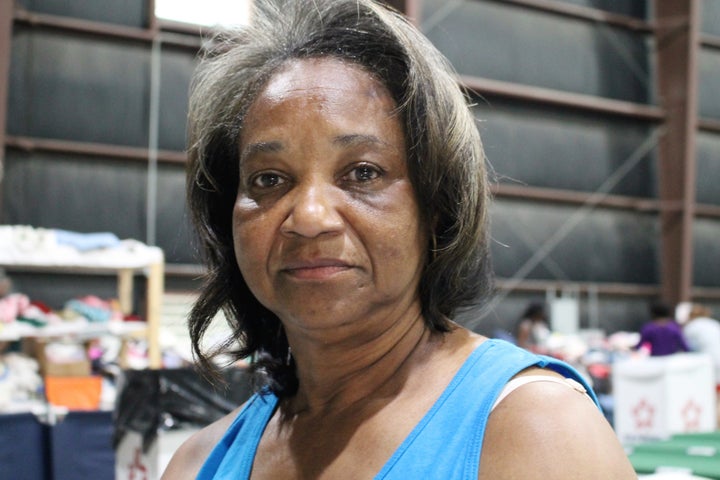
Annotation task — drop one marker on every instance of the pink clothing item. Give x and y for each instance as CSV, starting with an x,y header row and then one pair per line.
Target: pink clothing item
x,y
12,306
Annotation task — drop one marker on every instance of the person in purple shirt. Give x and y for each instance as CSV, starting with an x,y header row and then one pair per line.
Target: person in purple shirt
x,y
662,335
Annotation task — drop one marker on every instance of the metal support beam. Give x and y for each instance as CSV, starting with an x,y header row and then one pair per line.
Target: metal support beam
x,y
101,29
399,5
548,96
591,14
677,46
411,8
90,150
152,20
6,21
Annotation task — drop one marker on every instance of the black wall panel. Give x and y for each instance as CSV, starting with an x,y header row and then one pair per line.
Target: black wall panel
x,y
174,234
708,84
712,304
603,246
77,194
177,66
91,195
133,13
65,87
541,49
622,313
708,168
706,251
710,17
543,147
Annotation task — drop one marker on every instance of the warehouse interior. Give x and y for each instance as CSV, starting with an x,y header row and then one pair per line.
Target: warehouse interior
x,y
600,120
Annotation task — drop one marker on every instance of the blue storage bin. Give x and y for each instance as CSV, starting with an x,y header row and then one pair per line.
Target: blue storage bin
x,y
81,447
23,447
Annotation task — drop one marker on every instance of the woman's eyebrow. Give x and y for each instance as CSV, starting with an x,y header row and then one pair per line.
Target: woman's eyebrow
x,y
348,140
260,147
359,139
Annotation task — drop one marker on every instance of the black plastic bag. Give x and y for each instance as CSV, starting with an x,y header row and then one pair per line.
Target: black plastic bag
x,y
153,400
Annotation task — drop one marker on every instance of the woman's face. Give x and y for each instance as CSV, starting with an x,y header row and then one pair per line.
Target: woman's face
x,y
326,225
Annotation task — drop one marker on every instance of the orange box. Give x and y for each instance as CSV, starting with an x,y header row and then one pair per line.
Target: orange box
x,y
74,393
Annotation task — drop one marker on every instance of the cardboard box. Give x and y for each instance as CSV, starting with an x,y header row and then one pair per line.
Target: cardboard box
x,y
75,367
80,368
656,397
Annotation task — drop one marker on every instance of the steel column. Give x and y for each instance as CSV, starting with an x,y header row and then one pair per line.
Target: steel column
x,y
677,38
411,8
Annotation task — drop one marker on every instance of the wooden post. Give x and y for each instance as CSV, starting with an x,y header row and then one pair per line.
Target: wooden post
x,y
125,290
155,288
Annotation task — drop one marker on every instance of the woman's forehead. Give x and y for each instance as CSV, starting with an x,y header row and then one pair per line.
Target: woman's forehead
x,y
322,76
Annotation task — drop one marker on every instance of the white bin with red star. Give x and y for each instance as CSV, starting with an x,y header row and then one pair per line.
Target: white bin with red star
x,y
656,397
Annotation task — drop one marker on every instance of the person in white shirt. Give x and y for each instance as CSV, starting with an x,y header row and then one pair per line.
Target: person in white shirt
x,y
702,333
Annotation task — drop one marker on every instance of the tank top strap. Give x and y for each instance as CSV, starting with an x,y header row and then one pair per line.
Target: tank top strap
x,y
232,457
463,408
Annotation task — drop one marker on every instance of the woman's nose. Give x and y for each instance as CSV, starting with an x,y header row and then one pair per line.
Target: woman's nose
x,y
313,211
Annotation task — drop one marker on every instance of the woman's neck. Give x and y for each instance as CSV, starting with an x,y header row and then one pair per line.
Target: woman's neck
x,y
336,371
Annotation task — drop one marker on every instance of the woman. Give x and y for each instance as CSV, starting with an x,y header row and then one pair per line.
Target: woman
x,y
338,183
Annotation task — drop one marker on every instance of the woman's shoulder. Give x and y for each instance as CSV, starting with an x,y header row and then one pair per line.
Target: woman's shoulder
x,y
558,433
191,455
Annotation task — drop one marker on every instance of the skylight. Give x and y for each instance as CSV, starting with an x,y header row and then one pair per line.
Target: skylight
x,y
205,12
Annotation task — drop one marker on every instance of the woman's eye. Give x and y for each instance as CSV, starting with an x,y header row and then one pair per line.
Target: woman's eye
x,y
266,180
364,173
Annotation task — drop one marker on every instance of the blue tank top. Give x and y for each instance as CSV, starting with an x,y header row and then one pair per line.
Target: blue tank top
x,y
455,425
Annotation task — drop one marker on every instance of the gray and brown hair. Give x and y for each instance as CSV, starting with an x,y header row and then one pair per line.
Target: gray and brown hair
x,y
445,157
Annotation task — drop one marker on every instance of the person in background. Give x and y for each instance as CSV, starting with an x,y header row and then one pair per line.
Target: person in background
x,y
533,328
702,333
662,335
338,184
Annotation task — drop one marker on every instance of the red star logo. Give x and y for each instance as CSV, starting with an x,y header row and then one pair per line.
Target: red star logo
x,y
138,467
691,414
643,413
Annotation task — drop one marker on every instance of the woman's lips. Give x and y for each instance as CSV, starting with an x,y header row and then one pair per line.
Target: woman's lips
x,y
315,269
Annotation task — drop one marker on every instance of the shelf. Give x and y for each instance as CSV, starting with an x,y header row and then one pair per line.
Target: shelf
x,y
126,261
80,330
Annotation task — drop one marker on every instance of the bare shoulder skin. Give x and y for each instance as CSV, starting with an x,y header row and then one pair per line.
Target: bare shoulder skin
x,y
545,430
189,458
